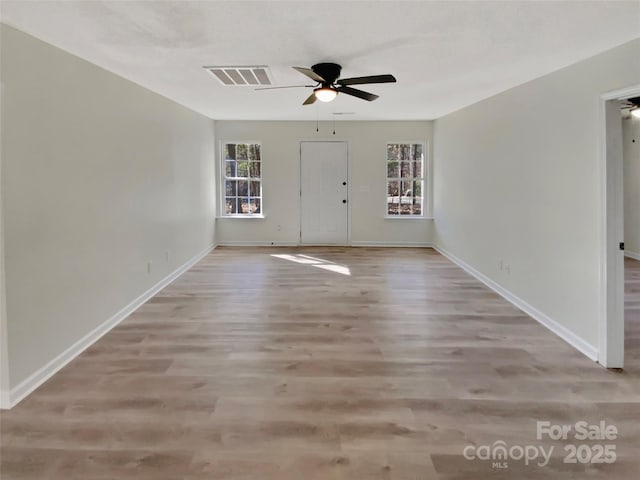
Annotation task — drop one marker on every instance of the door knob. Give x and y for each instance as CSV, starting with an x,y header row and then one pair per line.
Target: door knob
x,y
344,183
344,201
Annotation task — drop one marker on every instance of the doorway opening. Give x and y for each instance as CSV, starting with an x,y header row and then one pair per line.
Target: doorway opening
x,y
614,247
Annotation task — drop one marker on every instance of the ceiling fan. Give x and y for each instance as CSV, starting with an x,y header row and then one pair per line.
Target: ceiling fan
x,y
633,105
329,84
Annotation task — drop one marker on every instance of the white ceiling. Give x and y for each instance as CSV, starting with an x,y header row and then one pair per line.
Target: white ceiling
x,y
445,55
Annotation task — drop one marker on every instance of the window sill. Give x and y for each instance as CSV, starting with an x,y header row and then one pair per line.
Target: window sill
x,y
225,217
406,217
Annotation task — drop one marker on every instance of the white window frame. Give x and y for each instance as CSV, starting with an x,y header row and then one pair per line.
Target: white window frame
x,y
425,179
223,180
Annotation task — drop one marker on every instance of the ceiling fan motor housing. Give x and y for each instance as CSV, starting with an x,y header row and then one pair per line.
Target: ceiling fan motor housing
x,y
329,71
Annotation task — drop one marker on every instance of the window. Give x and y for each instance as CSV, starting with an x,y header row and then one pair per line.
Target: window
x,y
405,167
242,179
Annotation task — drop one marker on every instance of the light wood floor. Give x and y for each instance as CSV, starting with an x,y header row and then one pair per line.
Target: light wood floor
x,y
257,367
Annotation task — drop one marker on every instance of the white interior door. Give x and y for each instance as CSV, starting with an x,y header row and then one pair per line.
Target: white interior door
x,y
324,185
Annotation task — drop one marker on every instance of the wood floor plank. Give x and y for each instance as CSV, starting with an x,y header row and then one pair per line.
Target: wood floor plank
x,y
322,363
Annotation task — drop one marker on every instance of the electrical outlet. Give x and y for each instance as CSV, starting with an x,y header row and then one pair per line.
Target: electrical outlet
x,y
166,256
507,268
500,265
149,266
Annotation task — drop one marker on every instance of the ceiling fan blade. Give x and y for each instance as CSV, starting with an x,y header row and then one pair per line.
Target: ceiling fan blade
x,y
310,73
369,79
287,86
310,99
358,93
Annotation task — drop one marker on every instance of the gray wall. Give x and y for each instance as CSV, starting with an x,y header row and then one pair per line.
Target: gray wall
x,y
281,176
99,177
631,159
518,178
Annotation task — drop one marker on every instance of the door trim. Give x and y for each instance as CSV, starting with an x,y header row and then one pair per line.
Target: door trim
x,y
611,324
349,190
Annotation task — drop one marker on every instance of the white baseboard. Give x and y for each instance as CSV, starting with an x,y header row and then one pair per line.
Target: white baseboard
x,y
24,388
256,243
259,243
634,255
392,244
564,333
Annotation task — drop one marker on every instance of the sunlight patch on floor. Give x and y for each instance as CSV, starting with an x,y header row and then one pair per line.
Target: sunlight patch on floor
x,y
315,262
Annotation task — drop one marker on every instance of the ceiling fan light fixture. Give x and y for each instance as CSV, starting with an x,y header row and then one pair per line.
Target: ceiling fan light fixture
x,y
325,94
635,112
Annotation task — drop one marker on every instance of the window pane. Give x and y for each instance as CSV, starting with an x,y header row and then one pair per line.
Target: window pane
x,y
230,151
243,169
254,168
406,187
254,190
231,188
230,205
392,152
243,205
417,168
249,206
393,198
417,151
417,206
404,151
392,188
243,188
241,151
405,169
393,169
254,152
230,169
397,154
418,188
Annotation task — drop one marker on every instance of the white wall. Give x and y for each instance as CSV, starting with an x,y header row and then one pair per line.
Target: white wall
x,y
281,173
517,178
100,176
631,158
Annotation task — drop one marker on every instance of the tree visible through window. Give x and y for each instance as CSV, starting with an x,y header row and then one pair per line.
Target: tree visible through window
x,y
405,165
242,179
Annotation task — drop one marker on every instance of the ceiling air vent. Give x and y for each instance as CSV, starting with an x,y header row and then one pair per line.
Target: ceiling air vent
x,y
241,76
